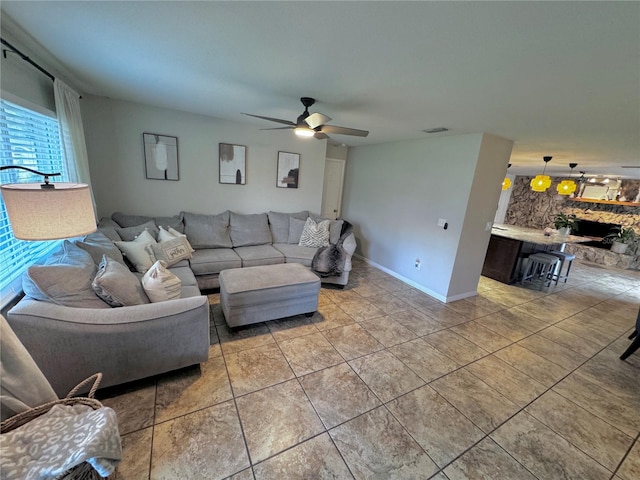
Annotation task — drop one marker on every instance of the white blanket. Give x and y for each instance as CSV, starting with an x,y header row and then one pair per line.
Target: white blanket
x,y
62,438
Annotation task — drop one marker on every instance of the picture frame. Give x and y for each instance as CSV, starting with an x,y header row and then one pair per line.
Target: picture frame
x,y
288,170
232,164
161,157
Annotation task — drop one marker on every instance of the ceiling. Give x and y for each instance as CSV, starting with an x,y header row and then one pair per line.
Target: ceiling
x,y
557,78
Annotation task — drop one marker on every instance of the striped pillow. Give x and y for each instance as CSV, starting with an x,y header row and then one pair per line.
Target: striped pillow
x,y
315,234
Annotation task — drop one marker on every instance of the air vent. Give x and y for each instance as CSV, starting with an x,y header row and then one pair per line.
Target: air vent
x,y
436,130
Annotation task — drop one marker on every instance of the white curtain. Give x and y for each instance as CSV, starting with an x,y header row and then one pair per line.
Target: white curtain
x,y
72,134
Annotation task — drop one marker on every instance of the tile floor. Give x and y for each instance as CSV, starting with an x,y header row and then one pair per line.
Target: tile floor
x,y
385,382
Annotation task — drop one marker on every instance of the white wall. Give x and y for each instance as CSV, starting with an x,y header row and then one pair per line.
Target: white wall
x,y
491,165
396,192
114,129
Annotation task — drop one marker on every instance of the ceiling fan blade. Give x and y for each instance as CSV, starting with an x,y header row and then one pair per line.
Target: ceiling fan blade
x,y
316,119
344,131
320,135
277,120
278,128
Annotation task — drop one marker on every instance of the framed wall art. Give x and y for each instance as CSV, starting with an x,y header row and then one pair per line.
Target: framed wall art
x,y
161,156
233,163
288,170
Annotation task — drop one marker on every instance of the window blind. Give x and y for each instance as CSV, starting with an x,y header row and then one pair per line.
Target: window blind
x,y
29,139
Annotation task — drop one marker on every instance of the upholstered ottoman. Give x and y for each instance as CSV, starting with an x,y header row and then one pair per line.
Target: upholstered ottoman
x,y
257,294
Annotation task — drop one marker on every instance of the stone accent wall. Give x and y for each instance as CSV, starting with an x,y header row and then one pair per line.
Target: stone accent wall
x,y
538,209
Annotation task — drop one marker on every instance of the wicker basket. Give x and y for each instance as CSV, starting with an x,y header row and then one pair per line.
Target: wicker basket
x,y
84,471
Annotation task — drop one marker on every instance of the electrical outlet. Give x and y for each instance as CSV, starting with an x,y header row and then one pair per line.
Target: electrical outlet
x,y
488,226
441,222
417,264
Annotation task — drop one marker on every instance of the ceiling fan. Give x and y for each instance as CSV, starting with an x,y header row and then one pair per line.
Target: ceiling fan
x,y
311,124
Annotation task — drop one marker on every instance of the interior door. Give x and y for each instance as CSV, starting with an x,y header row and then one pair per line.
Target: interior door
x,y
332,191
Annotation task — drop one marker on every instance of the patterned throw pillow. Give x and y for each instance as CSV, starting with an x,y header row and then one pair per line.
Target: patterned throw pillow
x,y
315,234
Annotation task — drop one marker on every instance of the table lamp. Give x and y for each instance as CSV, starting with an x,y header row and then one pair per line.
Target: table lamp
x,y
47,211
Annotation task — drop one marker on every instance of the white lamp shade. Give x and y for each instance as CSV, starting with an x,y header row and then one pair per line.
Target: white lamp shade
x,y
37,213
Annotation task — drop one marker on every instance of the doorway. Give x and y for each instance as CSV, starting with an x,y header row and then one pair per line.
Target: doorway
x,y
332,190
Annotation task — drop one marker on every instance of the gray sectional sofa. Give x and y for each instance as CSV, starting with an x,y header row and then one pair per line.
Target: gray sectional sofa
x,y
71,333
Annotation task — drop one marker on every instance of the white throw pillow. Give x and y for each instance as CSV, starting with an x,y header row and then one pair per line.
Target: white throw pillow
x,y
315,234
139,251
170,234
160,284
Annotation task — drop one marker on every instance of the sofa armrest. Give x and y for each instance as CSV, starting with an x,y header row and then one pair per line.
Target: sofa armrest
x,y
350,244
127,343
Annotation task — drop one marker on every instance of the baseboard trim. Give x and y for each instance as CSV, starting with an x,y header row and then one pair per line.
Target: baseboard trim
x,y
415,285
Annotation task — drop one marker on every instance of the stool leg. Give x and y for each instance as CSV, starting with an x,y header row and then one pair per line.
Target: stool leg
x,y
559,274
566,275
632,348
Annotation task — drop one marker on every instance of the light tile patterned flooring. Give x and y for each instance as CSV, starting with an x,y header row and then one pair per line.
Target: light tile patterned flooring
x,y
388,383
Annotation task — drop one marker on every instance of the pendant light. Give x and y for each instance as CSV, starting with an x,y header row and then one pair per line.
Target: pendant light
x,y
506,183
540,183
567,187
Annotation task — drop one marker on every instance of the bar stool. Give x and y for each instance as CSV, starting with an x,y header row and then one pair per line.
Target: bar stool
x,y
541,266
564,257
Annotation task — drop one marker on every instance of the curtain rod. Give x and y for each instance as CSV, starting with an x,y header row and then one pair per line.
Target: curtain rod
x,y
13,49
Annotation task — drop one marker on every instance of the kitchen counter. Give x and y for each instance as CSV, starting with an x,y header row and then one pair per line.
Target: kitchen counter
x,y
533,235
510,245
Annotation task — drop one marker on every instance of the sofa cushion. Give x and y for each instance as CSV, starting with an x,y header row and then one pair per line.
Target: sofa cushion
x,y
213,260
279,224
296,253
248,230
98,244
259,255
65,279
126,220
160,284
185,274
296,226
116,285
129,233
315,234
207,231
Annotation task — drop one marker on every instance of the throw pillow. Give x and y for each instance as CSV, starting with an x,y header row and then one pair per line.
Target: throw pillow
x,y
315,234
138,251
129,233
176,233
296,226
98,244
160,284
64,279
335,227
117,286
171,251
207,231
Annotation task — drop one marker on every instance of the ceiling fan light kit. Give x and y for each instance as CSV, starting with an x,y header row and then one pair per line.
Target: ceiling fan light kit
x,y
311,124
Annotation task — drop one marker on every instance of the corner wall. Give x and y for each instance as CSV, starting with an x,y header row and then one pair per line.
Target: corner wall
x,y
396,192
113,131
